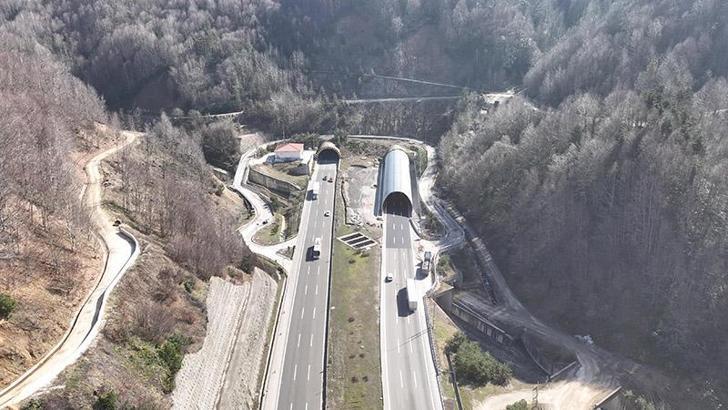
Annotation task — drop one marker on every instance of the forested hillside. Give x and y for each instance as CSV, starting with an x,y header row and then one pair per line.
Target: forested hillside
x,y
605,206
48,255
209,56
607,210
480,44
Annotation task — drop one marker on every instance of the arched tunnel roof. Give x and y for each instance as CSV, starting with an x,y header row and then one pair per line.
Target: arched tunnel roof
x,y
328,145
396,177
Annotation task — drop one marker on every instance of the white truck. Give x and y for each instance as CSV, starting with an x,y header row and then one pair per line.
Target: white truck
x,y
412,296
316,249
314,190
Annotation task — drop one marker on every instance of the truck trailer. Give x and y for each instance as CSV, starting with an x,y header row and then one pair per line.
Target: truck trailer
x,y
316,249
412,296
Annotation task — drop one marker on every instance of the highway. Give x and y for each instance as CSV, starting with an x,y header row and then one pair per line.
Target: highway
x,y
408,373
301,380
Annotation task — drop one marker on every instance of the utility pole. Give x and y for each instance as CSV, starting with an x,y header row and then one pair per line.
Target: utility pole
x,y
534,401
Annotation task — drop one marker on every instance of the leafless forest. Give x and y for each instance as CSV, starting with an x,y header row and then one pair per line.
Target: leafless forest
x,y
601,188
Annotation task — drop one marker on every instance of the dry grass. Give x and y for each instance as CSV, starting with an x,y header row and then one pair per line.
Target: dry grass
x,y
444,329
354,371
156,299
49,277
271,234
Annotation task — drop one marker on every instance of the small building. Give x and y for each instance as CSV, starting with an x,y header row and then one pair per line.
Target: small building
x,y
289,152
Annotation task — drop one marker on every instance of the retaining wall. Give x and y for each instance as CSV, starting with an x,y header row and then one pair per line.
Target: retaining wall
x,y
274,184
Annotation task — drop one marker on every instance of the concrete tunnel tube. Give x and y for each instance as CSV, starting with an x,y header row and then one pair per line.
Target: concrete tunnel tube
x,y
328,152
397,182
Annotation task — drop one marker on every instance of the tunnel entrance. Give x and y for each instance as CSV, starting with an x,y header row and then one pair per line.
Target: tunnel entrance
x,y
397,203
328,153
328,156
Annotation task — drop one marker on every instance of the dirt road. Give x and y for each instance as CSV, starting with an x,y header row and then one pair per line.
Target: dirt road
x,y
121,252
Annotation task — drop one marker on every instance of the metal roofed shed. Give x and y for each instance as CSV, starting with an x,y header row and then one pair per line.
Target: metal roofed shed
x,y
289,152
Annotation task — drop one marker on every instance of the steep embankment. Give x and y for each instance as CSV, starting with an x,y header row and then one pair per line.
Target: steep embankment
x,y
120,252
164,192
224,371
49,257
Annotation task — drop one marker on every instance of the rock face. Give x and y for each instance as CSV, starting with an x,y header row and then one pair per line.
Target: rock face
x,y
226,370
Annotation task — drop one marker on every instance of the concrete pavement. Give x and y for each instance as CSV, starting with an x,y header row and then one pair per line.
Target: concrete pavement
x,y
121,252
261,213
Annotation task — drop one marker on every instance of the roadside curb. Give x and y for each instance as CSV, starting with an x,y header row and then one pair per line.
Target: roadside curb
x,y
284,289
98,318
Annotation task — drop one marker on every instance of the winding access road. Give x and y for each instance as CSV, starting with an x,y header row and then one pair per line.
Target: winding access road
x,y
121,252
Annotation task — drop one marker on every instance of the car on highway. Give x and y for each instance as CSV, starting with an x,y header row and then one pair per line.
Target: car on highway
x,y
388,278
331,179
327,213
324,178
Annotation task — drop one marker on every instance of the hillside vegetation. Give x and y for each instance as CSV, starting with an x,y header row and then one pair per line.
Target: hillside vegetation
x,y
206,56
605,206
608,209
49,257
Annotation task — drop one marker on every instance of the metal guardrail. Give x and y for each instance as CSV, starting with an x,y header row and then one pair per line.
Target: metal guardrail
x,y
609,397
269,358
455,386
433,351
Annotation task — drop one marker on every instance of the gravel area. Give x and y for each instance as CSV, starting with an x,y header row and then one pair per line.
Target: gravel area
x,y
226,368
360,193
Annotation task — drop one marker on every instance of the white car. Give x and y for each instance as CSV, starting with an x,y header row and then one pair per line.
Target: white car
x,y
388,278
327,213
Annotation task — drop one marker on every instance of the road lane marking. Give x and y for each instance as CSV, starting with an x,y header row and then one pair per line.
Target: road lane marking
x,y
291,406
314,313
310,341
298,344
295,370
318,268
305,290
308,374
317,289
303,310
398,345
308,270
414,377
401,380
412,350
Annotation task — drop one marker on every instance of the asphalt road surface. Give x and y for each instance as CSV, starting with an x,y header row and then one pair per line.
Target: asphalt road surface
x,y
302,378
408,374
